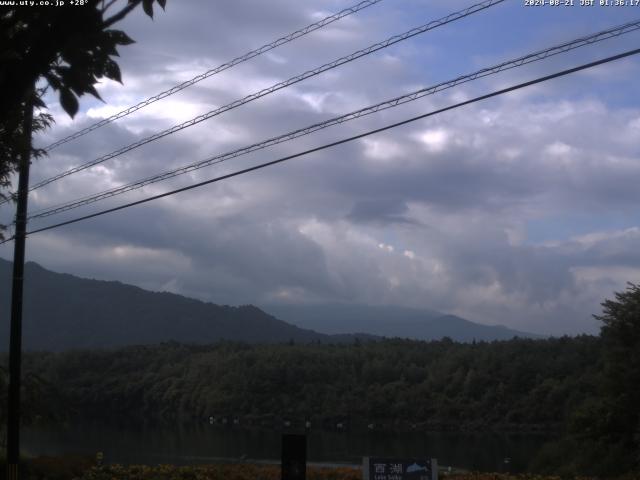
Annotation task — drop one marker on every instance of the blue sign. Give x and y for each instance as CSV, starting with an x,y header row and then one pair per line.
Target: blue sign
x,y
400,469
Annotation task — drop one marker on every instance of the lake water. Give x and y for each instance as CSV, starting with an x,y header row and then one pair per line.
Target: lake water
x,y
209,444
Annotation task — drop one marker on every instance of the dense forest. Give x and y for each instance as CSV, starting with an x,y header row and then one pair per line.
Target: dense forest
x,y
399,384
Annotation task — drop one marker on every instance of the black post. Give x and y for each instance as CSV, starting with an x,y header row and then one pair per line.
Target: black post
x,y
15,339
294,457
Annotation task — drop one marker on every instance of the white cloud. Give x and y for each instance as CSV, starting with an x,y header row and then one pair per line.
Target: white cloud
x,y
558,149
435,139
384,246
380,149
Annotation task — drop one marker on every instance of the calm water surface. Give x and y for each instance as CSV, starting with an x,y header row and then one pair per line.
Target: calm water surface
x,y
207,444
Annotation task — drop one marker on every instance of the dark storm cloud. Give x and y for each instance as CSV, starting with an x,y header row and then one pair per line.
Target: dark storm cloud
x,y
379,210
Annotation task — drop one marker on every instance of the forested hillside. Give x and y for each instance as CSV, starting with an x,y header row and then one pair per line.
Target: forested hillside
x,y
99,314
520,384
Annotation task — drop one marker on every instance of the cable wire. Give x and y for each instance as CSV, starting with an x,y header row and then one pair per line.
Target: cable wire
x,y
278,86
220,68
340,142
517,62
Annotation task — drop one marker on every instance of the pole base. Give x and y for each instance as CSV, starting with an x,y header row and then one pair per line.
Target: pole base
x,y
12,471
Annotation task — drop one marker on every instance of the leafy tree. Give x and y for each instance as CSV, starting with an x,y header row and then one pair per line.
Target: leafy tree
x,y
41,401
13,140
620,333
603,437
69,48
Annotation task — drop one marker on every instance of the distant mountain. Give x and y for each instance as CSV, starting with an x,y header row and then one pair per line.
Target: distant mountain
x,y
390,321
62,311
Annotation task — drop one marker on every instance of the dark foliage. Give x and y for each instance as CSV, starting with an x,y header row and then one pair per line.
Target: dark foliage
x,y
603,436
615,418
395,384
70,48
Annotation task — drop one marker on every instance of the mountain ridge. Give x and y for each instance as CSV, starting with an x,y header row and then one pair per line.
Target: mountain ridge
x,y
64,311
391,321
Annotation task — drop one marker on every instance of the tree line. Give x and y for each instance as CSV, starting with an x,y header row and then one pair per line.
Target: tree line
x,y
395,384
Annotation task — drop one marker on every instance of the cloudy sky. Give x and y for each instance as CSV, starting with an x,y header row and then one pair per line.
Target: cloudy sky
x,y
520,210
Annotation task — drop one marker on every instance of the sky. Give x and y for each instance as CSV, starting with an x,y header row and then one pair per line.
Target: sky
x,y
520,210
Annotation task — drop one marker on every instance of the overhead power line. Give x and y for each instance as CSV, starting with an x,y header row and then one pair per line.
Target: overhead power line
x,y
278,86
409,97
344,140
220,68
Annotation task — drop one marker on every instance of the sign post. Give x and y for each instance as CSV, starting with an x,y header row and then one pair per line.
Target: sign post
x,y
294,457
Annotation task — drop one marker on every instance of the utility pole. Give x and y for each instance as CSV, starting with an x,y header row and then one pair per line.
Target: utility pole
x,y
15,338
